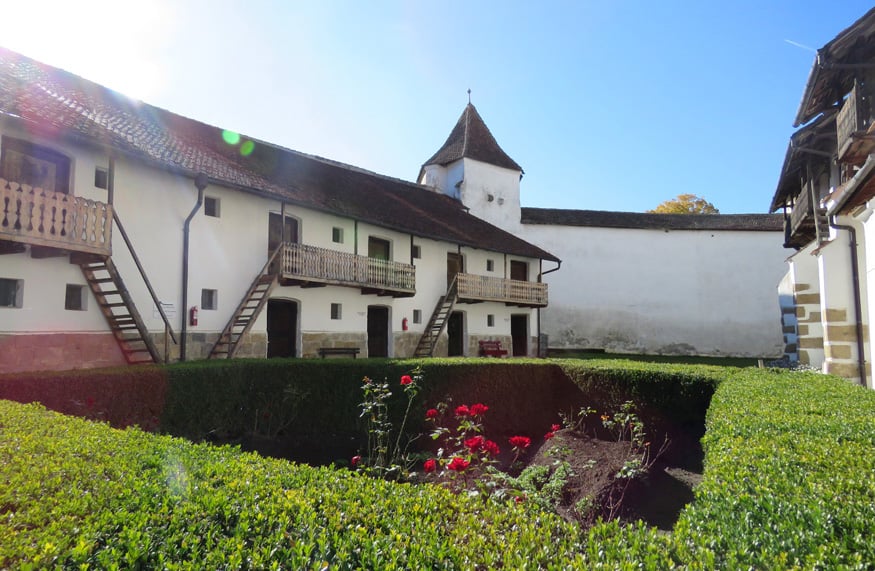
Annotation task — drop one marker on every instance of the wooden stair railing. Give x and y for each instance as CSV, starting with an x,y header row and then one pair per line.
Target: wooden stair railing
x,y
247,311
119,310
437,322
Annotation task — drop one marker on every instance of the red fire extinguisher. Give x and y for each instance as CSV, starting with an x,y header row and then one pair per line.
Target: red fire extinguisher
x,y
404,324
192,315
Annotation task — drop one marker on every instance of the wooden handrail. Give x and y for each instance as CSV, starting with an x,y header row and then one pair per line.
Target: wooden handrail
x,y
54,219
487,288
136,258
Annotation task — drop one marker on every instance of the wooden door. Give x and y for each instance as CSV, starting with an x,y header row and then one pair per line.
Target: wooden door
x,y
519,332
454,266
275,231
456,334
519,271
378,331
282,328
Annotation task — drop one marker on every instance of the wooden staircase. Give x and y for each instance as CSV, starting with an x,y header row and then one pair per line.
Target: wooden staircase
x,y
247,311
437,322
118,308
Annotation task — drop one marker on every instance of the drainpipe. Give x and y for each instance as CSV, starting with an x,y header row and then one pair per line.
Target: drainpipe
x,y
538,310
858,309
200,182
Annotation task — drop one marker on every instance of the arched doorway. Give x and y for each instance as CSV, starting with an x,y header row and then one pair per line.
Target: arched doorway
x,y
282,328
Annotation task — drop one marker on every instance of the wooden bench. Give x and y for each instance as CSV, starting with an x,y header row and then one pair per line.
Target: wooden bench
x,y
342,351
492,349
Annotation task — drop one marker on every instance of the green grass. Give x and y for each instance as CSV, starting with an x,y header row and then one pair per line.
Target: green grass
x,y
672,359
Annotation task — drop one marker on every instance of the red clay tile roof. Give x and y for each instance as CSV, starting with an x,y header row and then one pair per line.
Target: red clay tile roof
x,y
54,100
648,221
471,139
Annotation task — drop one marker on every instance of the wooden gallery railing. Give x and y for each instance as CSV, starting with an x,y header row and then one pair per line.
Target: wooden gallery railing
x,y
341,268
45,218
484,288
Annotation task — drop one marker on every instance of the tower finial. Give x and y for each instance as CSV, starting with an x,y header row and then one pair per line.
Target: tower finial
x,y
469,96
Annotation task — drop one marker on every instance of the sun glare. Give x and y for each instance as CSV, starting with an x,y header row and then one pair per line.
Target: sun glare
x,y
117,44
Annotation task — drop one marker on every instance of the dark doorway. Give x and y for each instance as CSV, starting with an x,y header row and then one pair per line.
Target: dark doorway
x,y
378,331
454,266
519,332
519,271
456,334
282,328
275,235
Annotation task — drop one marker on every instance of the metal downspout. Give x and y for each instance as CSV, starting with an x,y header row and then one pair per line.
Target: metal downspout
x,y
858,308
540,279
200,183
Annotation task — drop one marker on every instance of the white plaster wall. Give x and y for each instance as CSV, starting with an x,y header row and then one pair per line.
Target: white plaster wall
x,y
867,272
482,181
803,267
656,291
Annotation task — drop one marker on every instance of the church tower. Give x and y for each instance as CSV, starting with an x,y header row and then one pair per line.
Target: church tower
x,y
472,168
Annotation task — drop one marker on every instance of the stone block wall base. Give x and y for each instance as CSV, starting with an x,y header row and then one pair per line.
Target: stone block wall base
x,y
405,343
312,342
58,352
474,343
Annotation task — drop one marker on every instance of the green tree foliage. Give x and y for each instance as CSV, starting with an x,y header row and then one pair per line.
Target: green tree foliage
x,y
685,204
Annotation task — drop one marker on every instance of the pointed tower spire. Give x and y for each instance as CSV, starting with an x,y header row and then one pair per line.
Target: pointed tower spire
x,y
471,139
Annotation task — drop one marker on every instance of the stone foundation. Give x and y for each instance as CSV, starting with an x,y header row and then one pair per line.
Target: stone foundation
x,y
312,342
405,343
58,352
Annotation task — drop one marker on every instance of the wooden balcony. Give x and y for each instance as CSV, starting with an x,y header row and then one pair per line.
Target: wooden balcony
x,y
800,227
53,220
309,266
472,289
854,125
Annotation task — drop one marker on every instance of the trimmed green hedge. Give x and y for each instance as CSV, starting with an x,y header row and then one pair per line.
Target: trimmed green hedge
x,y
82,495
789,484
790,476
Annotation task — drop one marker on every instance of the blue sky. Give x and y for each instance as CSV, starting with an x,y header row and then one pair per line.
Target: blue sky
x,y
611,105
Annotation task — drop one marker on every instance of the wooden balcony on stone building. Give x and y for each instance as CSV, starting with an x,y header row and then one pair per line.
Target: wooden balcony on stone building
x,y
311,266
473,289
52,223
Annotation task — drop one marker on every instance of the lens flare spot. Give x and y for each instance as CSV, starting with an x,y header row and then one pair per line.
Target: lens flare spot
x,y
231,137
247,148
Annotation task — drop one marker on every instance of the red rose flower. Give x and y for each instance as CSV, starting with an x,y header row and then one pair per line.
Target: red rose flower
x,y
474,443
355,460
491,447
519,499
548,436
520,441
458,464
555,428
429,466
406,380
432,413
478,409
462,410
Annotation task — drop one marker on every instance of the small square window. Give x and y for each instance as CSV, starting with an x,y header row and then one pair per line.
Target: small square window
x,y
417,252
490,320
490,265
74,299
336,311
417,316
209,299
11,292
211,206
101,178
337,235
